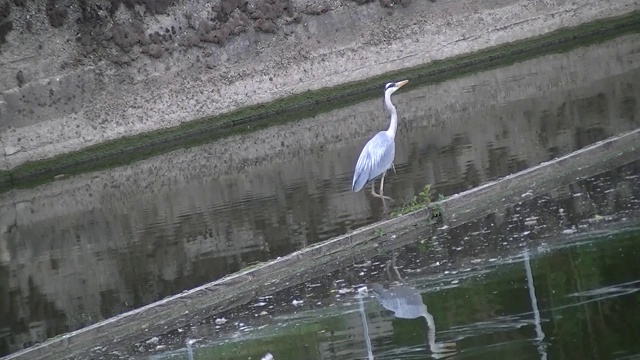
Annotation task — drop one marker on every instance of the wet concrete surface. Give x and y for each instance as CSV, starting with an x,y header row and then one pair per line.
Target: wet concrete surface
x,y
84,249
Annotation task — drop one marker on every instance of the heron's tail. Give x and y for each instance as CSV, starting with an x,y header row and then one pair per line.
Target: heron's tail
x,y
360,178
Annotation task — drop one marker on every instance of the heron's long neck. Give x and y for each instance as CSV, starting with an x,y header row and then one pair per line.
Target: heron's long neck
x,y
392,114
431,331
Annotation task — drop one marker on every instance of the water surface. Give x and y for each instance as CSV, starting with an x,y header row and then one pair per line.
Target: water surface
x,y
84,249
521,287
584,305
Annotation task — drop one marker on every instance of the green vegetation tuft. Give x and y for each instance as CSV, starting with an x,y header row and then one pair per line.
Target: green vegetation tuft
x,y
420,201
424,244
130,149
436,210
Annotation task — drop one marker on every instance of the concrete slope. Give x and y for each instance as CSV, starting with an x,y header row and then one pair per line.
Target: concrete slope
x,y
76,73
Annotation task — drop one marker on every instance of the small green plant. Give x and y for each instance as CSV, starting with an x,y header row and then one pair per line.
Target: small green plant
x,y
378,232
436,210
420,201
424,244
422,247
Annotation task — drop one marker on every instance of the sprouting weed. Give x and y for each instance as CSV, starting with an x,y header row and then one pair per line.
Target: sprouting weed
x,y
437,208
436,211
422,247
424,244
420,201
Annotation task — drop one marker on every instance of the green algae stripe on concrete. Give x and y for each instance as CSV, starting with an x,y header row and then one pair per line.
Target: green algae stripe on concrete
x,y
130,149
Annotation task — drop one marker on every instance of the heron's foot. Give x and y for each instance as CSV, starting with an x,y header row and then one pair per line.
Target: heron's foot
x,y
374,194
382,197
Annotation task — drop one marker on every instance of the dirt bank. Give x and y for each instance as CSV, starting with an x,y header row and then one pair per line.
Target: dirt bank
x,y
75,73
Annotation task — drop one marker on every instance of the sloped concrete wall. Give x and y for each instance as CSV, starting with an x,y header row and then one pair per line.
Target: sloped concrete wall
x,y
74,73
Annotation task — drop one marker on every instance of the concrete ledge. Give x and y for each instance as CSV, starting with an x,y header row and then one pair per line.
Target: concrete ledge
x,y
305,264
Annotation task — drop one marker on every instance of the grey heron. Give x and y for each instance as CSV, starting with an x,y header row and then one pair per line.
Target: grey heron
x,y
378,154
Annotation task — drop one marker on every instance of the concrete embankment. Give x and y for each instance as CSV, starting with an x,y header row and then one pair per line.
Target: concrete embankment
x,y
76,74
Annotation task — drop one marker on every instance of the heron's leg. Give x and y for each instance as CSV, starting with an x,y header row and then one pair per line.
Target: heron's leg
x,y
382,187
373,189
391,264
394,168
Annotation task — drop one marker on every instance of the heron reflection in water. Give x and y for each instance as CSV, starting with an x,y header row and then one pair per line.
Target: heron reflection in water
x,y
378,154
406,303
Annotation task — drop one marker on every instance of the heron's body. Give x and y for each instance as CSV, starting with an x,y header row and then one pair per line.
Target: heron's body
x,y
378,154
376,158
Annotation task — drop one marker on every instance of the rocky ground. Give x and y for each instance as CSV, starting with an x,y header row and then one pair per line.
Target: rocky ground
x,y
122,31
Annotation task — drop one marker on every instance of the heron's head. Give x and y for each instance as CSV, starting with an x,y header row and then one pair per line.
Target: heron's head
x,y
392,87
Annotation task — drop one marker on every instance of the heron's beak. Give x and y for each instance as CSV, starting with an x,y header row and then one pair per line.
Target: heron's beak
x,y
400,84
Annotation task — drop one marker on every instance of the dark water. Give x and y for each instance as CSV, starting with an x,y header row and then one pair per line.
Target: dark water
x,y
558,279
581,302
81,250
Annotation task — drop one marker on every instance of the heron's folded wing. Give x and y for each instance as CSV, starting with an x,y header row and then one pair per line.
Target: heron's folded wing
x,y
375,158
